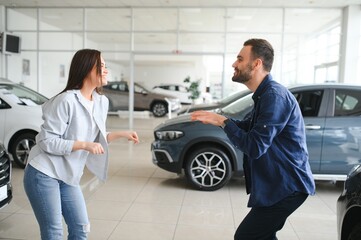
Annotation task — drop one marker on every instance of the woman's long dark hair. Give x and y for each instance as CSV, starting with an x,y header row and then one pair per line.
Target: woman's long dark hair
x,y
81,65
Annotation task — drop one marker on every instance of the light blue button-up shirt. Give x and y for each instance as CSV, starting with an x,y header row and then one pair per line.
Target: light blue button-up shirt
x,y
67,120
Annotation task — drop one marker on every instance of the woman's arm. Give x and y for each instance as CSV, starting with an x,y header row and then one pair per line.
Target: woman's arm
x,y
130,135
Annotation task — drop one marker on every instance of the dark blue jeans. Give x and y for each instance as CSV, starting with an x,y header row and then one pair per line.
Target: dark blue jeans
x,y
262,223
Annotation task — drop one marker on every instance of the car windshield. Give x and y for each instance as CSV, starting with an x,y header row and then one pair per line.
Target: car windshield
x,y
233,96
23,95
239,107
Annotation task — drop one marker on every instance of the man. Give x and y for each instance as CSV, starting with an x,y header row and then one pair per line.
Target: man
x,y
272,138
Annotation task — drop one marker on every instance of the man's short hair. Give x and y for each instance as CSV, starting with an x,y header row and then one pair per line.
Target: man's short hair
x,y
261,49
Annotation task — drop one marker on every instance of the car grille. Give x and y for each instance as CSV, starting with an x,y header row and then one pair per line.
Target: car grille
x,y
5,168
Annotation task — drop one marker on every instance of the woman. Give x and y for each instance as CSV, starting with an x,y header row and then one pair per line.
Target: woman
x,y
73,135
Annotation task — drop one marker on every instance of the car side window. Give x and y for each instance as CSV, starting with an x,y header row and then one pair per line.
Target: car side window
x,y
3,104
347,103
309,102
123,87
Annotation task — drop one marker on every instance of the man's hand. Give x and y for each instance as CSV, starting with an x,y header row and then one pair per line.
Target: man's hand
x,y
208,117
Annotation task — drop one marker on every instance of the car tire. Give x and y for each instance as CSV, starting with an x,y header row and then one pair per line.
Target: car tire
x,y
159,109
355,233
21,146
208,169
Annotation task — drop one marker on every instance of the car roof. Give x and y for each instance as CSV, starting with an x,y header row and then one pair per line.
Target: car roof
x,y
324,86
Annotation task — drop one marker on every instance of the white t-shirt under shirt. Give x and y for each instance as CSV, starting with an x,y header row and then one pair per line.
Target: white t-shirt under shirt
x,y
89,105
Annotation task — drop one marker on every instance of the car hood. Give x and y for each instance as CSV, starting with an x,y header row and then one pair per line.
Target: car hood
x,y
177,120
203,106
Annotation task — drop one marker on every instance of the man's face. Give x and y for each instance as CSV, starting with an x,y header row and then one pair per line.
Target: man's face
x,y
243,66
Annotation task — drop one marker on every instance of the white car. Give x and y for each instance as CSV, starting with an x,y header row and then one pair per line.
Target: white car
x,y
176,90
20,119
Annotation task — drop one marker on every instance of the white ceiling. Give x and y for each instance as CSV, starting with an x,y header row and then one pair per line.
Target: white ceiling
x,y
256,18
179,3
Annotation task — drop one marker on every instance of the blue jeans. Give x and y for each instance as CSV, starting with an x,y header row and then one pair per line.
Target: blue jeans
x,y
262,223
51,199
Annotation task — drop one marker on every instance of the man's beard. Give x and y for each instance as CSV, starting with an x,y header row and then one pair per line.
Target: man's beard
x,y
243,77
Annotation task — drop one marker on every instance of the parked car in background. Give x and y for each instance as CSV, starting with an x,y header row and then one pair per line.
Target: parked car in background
x,y
332,115
118,95
175,90
215,105
20,119
349,207
6,192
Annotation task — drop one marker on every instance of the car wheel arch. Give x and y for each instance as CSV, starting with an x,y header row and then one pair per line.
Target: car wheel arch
x,y
192,146
18,133
15,137
350,220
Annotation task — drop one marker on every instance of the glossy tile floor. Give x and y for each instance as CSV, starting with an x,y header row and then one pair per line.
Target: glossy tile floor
x,y
140,201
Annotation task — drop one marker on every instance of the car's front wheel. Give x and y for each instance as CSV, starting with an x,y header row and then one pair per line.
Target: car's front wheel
x,y
159,109
20,148
208,169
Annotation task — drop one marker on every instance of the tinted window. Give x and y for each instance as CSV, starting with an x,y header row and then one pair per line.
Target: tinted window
x,y
347,103
309,102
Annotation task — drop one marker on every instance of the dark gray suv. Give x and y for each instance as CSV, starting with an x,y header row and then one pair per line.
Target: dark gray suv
x,y
332,115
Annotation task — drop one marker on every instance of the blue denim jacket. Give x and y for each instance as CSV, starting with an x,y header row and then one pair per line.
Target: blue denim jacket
x,y
66,120
273,140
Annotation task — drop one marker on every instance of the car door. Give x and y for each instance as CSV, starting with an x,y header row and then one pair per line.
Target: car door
x,y
118,96
313,106
342,137
142,98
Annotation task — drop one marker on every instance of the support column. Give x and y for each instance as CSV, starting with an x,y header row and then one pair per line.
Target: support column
x,y
350,43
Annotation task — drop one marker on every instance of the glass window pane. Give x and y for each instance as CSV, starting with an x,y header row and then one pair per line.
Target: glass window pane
x,y
310,20
108,41
23,68
201,42
198,19
108,19
155,19
249,20
61,19
155,42
60,41
54,67
28,40
21,19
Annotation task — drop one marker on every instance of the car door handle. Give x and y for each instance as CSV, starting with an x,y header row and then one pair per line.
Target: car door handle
x,y
313,127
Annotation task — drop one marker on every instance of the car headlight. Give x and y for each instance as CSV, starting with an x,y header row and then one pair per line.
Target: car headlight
x,y
168,135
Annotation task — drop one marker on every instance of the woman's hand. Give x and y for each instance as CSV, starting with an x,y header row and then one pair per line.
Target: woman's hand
x,y
131,136
92,147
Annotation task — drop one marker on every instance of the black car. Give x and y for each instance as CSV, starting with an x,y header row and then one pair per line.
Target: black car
x,y
212,106
332,116
349,207
5,177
